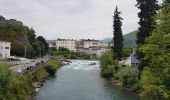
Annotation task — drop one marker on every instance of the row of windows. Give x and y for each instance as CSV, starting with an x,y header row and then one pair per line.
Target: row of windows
x,y
5,48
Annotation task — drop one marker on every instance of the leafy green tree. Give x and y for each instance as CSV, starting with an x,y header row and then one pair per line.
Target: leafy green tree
x,y
2,18
118,38
155,78
127,52
31,34
109,66
44,42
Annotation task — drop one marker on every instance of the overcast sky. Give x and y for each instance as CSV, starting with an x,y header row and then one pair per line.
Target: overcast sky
x,y
71,18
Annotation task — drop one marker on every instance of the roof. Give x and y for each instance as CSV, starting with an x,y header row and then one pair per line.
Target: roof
x,y
133,58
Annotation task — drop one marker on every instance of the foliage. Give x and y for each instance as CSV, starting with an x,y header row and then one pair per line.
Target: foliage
x,y
2,18
127,76
52,66
41,74
20,37
155,78
12,85
126,52
108,65
123,75
70,54
44,43
148,9
118,37
31,34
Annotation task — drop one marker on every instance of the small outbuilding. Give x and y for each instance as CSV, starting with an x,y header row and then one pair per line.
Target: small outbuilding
x,y
132,60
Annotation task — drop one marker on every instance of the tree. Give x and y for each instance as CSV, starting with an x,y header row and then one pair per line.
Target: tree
x,y
148,9
44,42
155,78
31,35
118,38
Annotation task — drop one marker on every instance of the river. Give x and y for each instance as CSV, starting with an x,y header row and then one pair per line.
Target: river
x,y
81,81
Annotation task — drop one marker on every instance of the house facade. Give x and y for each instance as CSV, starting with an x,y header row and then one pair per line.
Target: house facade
x,y
132,60
66,43
5,49
92,47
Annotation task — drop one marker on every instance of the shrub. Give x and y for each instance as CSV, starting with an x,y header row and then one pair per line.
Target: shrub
x,y
12,85
128,76
108,65
52,66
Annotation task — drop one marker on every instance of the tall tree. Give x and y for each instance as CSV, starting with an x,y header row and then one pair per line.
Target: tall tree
x,y
44,45
148,8
155,78
117,32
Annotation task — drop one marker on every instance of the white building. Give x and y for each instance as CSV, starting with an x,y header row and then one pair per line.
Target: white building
x,y
67,43
5,49
92,47
132,60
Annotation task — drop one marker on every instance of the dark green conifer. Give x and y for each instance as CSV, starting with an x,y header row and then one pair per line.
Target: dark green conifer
x,y
118,38
148,9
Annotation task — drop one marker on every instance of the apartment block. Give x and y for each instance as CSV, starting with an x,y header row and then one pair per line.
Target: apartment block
x,y
67,43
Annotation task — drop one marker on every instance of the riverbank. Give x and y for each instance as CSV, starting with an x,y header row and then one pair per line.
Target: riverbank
x,y
39,77
120,75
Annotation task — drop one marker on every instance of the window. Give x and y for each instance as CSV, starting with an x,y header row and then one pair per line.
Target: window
x,y
6,47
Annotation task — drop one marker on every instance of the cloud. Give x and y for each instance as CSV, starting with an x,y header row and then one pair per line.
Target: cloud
x,y
71,18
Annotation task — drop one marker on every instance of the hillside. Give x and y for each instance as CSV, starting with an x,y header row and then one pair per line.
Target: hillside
x,y
129,39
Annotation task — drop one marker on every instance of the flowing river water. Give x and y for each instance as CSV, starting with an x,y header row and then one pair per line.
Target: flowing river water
x,y
81,81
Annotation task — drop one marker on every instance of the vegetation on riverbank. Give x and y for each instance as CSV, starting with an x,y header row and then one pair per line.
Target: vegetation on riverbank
x,y
51,66
70,54
151,79
14,86
126,76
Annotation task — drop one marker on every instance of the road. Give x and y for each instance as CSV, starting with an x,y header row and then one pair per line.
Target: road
x,y
25,66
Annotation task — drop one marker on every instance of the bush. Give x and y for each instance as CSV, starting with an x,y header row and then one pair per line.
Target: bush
x,y
108,66
41,74
12,85
52,66
128,76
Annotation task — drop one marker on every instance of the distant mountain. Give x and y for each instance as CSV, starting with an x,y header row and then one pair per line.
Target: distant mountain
x,y
129,39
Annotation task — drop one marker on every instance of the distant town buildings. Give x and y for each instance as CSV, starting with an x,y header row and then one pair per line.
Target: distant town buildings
x,y
5,48
67,43
92,47
85,46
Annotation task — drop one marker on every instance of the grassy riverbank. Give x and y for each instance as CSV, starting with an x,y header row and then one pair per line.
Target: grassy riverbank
x,y
122,75
14,86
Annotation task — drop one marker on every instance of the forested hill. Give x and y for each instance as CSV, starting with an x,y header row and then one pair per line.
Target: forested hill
x,y
129,39
22,36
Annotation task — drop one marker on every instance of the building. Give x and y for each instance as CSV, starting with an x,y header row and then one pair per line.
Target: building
x,y
51,43
132,60
5,49
67,43
92,47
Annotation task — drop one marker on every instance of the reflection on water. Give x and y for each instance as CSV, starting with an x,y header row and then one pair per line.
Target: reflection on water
x,y
81,81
